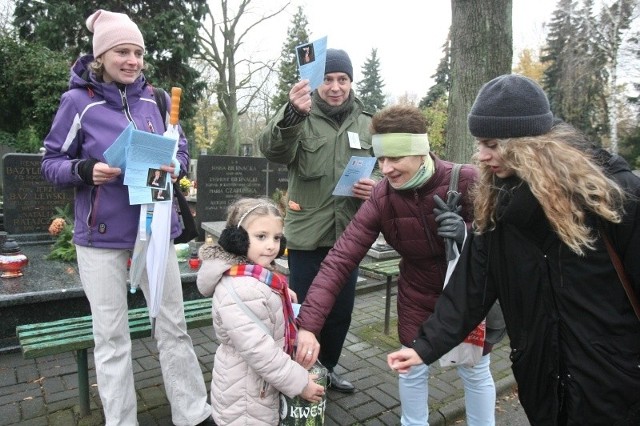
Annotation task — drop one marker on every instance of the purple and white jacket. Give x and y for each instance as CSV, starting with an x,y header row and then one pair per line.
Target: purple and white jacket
x,y
90,117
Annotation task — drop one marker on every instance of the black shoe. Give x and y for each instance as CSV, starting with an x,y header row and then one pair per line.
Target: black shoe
x,y
207,422
340,384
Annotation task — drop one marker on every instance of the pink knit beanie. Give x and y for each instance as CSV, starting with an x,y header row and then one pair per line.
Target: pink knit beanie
x,y
111,29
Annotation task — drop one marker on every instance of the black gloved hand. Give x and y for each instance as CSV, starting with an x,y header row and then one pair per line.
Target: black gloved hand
x,y
450,206
451,226
85,170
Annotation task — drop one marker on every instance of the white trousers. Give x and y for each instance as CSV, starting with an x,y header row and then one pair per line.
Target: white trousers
x,y
479,394
104,279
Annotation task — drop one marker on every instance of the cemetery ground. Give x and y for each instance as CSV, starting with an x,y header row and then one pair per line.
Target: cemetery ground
x,y
44,391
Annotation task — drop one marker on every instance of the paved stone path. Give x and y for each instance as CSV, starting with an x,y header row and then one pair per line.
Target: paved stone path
x,y
44,391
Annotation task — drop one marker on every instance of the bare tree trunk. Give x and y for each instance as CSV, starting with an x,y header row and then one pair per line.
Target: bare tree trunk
x,y
612,101
481,49
618,19
233,124
221,36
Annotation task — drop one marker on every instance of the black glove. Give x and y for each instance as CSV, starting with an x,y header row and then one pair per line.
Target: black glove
x,y
451,226
85,170
450,206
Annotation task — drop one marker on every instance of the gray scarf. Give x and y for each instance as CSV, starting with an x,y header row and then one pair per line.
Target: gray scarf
x,y
336,113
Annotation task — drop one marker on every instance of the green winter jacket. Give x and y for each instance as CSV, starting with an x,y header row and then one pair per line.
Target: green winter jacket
x,y
316,152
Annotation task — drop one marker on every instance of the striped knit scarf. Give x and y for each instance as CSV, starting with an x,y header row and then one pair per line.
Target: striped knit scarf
x,y
277,283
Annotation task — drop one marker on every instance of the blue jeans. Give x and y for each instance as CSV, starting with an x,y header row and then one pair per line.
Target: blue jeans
x,y
479,394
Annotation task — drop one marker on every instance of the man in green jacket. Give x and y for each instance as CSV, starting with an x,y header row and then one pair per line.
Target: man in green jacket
x,y
315,134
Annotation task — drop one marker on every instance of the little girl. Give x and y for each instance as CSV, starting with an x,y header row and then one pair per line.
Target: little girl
x,y
252,318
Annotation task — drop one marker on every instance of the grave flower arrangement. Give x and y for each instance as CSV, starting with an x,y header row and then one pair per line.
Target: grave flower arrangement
x,y
61,227
185,185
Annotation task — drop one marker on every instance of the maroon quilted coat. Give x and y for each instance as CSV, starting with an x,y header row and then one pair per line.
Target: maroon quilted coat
x,y
408,224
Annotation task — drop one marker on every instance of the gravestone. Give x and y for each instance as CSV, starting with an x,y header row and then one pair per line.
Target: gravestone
x,y
223,179
29,201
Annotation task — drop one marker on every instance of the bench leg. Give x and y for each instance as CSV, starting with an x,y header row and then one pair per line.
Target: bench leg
x,y
387,307
83,381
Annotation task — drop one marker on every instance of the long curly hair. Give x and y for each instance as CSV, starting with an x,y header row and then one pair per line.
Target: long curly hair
x,y
566,183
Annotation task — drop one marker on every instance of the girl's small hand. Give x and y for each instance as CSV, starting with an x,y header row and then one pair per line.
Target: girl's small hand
x,y
293,296
313,392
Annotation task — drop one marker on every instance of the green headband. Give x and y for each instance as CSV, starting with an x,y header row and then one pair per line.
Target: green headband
x,y
400,144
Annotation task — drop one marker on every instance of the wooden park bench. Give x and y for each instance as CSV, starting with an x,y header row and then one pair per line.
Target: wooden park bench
x,y
389,269
76,334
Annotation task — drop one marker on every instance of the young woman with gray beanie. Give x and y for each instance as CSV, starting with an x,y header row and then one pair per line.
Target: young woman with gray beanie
x,y
542,210
107,92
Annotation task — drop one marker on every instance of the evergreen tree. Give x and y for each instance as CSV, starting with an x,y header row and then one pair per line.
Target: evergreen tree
x,y
572,55
288,70
370,87
32,78
580,55
559,40
585,104
614,21
442,79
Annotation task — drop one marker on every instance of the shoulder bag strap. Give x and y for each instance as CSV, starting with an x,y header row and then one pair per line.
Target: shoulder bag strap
x,y
451,192
622,274
244,307
161,101
455,177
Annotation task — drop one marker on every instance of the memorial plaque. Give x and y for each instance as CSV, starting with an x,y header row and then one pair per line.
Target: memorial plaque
x,y
224,179
278,176
29,201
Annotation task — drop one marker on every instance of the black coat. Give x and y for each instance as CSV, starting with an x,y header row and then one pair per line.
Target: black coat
x,y
575,340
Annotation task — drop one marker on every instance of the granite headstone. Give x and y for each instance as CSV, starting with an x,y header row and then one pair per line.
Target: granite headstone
x,y
29,201
223,179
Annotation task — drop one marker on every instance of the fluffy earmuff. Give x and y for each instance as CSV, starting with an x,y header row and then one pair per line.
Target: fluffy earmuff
x,y
283,246
235,239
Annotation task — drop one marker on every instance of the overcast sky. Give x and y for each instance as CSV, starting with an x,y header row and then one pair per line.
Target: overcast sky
x,y
357,26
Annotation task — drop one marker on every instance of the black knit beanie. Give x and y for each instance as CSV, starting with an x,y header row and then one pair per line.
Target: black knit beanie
x,y
510,106
338,61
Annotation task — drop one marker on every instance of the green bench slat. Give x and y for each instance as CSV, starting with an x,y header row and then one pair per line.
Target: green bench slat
x,y
55,337
388,268
385,267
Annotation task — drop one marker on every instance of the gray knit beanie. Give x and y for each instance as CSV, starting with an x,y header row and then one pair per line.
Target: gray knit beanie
x,y
510,106
338,61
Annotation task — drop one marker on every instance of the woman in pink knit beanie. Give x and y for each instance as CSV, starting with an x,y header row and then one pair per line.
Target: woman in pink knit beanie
x,y
107,93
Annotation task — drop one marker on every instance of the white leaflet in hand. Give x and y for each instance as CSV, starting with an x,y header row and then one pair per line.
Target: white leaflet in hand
x,y
356,169
311,59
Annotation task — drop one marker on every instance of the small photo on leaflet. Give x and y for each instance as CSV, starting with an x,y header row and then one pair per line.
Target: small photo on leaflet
x,y
156,178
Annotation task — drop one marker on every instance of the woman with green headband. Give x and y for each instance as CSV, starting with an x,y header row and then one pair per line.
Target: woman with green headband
x,y
401,207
